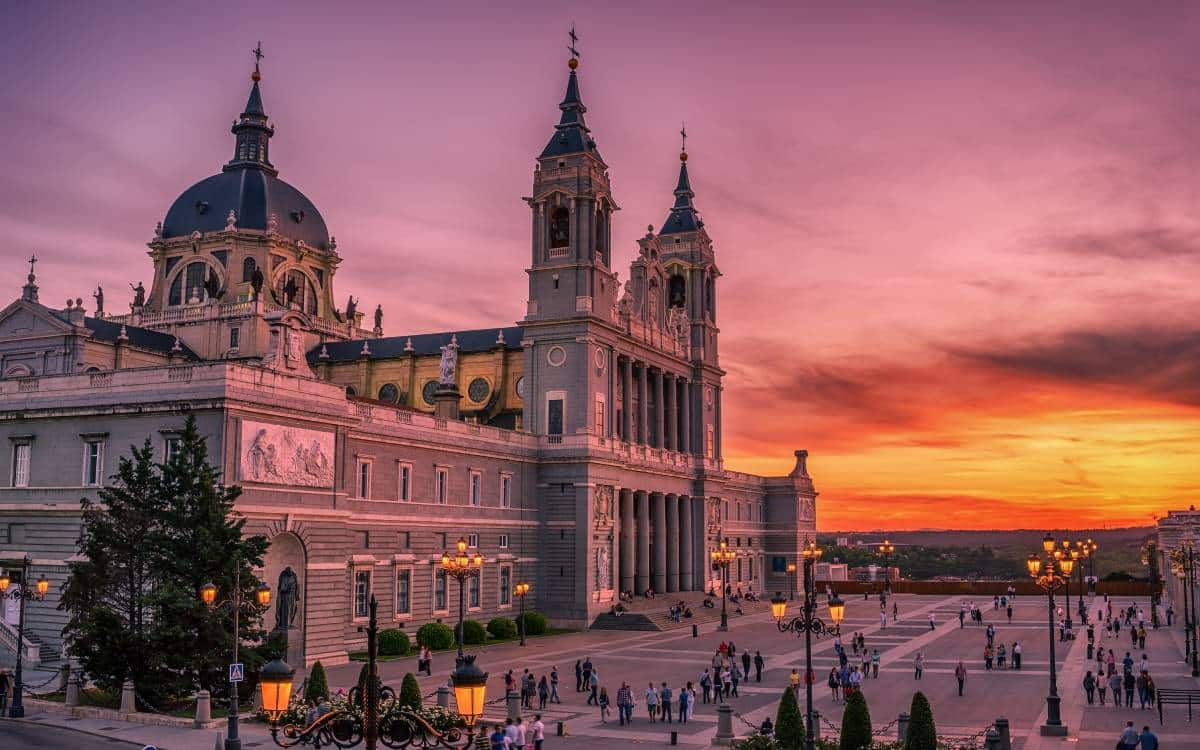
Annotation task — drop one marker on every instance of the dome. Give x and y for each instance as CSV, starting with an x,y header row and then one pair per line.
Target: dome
x,y
254,195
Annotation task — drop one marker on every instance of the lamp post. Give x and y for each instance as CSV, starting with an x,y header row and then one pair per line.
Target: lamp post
x,y
520,590
886,549
1051,575
262,597
1188,545
17,709
1076,555
791,569
808,624
1062,555
1091,558
722,556
461,567
399,728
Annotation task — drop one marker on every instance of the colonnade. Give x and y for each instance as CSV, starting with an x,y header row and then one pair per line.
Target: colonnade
x,y
661,542
676,399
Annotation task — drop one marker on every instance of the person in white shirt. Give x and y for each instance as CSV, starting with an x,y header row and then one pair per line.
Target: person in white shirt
x,y
519,740
510,732
538,731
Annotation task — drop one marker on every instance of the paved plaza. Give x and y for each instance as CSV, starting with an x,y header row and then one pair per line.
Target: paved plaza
x,y
676,657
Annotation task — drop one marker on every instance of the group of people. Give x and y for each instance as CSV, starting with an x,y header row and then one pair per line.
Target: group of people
x,y
1125,684
679,610
514,735
545,690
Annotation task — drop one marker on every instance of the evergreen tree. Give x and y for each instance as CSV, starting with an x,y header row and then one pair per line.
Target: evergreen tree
x,y
201,540
856,723
106,595
922,735
318,685
410,691
789,722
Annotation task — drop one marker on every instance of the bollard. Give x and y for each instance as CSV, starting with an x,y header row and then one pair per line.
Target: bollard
x,y
443,697
514,705
562,729
203,708
992,740
695,630
816,724
64,676
724,725
1005,737
674,738
902,727
72,699
128,701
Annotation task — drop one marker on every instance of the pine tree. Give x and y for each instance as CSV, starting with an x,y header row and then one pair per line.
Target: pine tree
x,y
922,735
107,591
410,691
789,722
317,688
856,723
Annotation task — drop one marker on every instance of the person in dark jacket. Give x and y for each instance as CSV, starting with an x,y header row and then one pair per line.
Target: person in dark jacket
x,y
1089,686
758,666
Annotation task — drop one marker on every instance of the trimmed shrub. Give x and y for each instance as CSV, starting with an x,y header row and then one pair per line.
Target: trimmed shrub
x,y
435,635
535,622
789,722
856,723
393,642
922,734
473,633
318,685
502,628
410,691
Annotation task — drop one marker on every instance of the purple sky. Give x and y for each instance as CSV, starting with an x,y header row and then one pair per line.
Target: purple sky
x,y
959,244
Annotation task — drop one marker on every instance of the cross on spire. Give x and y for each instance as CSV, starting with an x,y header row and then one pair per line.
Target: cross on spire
x,y
258,55
683,137
574,40
32,260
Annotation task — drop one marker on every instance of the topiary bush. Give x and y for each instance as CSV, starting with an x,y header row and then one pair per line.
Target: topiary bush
x,y
789,722
435,635
856,723
922,734
535,622
393,642
502,628
473,633
410,691
318,685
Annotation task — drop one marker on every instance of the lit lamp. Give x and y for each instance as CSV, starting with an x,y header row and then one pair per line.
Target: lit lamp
x,y
42,587
208,594
4,581
470,689
1034,563
837,610
1048,544
275,685
778,607
263,595
791,571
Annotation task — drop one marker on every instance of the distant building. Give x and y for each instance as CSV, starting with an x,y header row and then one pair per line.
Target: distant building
x,y
832,572
1170,530
843,541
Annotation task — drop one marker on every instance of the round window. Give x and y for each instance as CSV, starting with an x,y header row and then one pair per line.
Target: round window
x,y
428,390
389,393
478,390
351,391
600,358
521,388
556,356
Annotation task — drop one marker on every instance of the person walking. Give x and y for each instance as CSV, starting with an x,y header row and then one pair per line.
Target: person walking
x,y
746,660
1129,682
1148,740
624,704
554,685
684,697
735,676
918,665
652,703
664,703
1016,655
834,683
543,690
875,663
425,662
1089,687
987,657
578,676
1010,614
1114,684
759,663
537,732
1143,696
706,685
962,616
931,620
895,612
498,740
960,674
594,697
1001,656
603,703
1129,738
587,672
1101,686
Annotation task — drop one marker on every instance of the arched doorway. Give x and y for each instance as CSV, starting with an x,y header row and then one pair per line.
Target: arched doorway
x,y
284,571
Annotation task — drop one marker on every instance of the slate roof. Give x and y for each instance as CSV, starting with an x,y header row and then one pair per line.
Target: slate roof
x,y
392,347
683,216
571,134
143,338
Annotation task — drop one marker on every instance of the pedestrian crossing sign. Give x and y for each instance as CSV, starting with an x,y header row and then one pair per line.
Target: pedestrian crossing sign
x,y
237,672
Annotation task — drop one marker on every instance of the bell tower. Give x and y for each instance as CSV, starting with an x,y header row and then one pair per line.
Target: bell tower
x,y
570,267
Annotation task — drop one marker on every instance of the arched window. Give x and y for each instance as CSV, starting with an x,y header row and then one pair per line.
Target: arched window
x,y
187,284
248,266
709,289
351,391
677,291
306,294
389,393
560,227
600,234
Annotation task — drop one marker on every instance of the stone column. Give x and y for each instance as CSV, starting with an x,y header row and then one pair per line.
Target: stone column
x,y
659,410
687,581
659,572
627,401
687,417
671,435
672,502
643,406
716,423
702,562
641,504
628,535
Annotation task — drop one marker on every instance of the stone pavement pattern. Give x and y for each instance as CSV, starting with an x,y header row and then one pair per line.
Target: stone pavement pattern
x,y
677,657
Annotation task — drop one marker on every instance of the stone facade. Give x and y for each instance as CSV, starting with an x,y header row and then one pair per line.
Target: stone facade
x,y
580,450
1171,529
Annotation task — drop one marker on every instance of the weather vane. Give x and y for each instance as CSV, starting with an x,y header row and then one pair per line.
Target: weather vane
x,y
258,55
683,136
574,39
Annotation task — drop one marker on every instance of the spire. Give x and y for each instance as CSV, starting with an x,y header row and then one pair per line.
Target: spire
x,y
29,292
571,134
683,216
251,130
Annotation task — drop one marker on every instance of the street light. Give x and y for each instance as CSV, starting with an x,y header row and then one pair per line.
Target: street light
x,y
461,567
886,549
1048,579
722,556
1188,545
807,624
23,593
520,590
1076,555
262,597
791,569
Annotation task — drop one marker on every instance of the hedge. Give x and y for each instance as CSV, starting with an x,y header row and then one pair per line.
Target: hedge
x,y
502,628
393,642
473,633
789,723
435,635
535,622
922,735
410,691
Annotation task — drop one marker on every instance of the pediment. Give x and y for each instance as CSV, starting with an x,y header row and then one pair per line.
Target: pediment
x,y
24,319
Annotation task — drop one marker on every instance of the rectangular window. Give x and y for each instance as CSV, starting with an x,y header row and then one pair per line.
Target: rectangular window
x,y
505,491
708,442
16,533
235,338
404,483
4,536
476,491
93,463
362,592
404,592
472,540
505,586
363,485
441,486
504,541
554,416
21,456
751,568
439,590
473,591
778,564
171,447
599,425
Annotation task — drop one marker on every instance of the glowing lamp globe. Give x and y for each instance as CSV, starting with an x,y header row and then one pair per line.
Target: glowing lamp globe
x,y
1048,544
4,581
208,594
462,546
263,595
275,686
837,609
42,587
778,607
791,567
1034,563
470,689
1067,565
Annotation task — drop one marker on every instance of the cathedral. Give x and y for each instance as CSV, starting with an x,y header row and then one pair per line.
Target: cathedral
x,y
579,450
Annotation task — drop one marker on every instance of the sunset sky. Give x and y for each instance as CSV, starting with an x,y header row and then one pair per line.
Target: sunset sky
x,y
959,241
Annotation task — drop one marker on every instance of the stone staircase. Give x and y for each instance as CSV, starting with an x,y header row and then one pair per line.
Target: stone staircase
x,y
654,615
35,651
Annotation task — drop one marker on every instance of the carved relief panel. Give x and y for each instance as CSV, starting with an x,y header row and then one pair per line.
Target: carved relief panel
x,y
276,454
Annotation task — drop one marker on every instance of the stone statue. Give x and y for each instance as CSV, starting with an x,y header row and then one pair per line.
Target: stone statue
x,y
287,599
379,317
351,308
195,237
139,294
158,230
449,363
231,221
603,569
256,281
626,303
273,224
212,285
98,295
289,291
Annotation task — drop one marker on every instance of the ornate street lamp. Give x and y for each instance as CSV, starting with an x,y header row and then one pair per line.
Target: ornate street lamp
x,y
1188,545
1078,554
1051,575
236,602
519,591
1064,555
791,569
23,593
722,556
461,567
808,624
886,549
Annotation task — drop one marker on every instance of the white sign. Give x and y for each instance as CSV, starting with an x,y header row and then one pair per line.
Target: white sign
x,y
237,672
